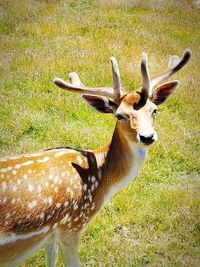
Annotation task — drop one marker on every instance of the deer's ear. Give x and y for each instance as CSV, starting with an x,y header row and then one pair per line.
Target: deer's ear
x,y
163,92
100,103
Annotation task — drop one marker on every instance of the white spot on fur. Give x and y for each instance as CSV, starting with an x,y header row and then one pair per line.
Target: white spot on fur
x,y
65,219
25,176
75,206
7,215
71,193
36,155
4,186
18,181
39,188
56,189
58,154
66,204
51,176
4,200
55,179
92,188
14,188
81,214
42,215
76,219
93,179
93,206
85,206
48,200
30,187
45,159
32,204
18,166
69,190
58,205
85,187
13,201
14,172
63,174
26,163
96,184
49,216
55,226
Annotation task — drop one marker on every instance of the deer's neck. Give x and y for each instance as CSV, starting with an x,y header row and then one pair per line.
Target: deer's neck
x,y
120,163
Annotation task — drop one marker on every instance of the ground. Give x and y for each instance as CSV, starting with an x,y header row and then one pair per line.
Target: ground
x,y
154,221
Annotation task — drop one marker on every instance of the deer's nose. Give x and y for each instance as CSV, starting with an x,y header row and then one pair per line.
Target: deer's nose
x,y
147,140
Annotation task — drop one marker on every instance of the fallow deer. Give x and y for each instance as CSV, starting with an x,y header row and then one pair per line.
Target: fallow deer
x,y
48,198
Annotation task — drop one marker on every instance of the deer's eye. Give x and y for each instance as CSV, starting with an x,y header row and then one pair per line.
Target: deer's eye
x,y
119,117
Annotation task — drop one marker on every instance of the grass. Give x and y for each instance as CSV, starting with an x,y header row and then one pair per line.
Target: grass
x,y
154,221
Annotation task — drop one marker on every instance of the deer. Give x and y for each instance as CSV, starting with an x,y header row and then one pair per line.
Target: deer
x,y
47,199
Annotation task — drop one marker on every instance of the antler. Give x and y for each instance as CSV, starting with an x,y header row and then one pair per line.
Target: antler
x,y
102,91
144,94
118,91
76,86
145,76
175,64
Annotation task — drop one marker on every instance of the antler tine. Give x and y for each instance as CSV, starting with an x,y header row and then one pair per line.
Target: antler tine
x,y
75,80
175,64
76,86
101,91
118,92
173,61
145,76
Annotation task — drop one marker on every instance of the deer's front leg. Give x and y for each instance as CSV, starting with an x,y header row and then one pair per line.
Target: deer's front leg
x,y
51,253
69,250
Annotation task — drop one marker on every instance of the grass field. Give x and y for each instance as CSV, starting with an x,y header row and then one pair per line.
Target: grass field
x,y
156,220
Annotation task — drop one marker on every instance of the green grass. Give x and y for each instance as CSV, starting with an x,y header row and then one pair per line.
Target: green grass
x,y
156,220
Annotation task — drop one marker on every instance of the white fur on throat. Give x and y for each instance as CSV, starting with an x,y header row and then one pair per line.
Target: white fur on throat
x,y
139,156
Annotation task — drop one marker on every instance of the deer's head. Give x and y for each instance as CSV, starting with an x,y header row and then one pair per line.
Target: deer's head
x,y
135,111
